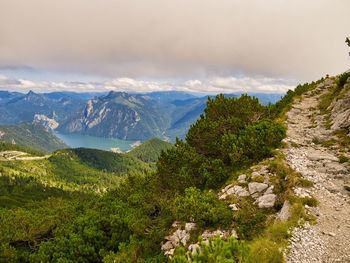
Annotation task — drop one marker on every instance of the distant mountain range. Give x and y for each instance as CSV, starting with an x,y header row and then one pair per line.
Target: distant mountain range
x,y
166,115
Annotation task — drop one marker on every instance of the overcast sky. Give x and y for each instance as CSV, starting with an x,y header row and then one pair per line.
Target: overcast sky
x,y
221,45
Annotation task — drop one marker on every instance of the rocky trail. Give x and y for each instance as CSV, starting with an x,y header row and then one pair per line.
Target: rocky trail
x,y
329,239
19,156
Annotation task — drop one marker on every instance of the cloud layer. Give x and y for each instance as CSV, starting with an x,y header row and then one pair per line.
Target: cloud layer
x,y
177,39
207,86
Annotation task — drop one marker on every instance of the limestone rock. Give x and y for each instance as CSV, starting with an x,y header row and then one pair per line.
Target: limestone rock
x,y
240,191
233,207
256,187
194,248
285,213
266,201
234,233
190,226
182,236
301,192
169,252
167,246
242,178
269,190
210,234
236,189
340,113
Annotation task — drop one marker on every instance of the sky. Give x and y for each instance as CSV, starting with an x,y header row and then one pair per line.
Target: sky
x,y
191,45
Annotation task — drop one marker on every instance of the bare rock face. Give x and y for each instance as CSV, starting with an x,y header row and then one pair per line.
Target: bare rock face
x,y
242,178
340,113
234,189
190,226
194,248
219,233
256,187
266,201
48,123
285,212
233,207
177,238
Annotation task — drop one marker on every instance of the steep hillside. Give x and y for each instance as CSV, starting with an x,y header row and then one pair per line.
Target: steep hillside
x,y
149,151
31,136
120,115
109,161
71,169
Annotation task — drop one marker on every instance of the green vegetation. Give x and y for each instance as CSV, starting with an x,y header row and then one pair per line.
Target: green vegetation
x,y
5,146
107,161
207,210
282,106
94,206
343,138
31,136
334,94
344,159
149,151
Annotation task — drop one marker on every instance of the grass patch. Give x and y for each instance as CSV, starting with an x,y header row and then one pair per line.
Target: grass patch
x,y
343,138
344,159
310,201
294,144
258,178
324,143
305,183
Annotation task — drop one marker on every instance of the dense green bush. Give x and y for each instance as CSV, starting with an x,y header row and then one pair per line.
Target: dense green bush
x,y
223,115
253,143
149,151
217,251
202,207
284,104
342,79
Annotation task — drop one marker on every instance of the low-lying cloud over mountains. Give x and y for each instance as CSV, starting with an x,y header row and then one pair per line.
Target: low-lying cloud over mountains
x,y
208,86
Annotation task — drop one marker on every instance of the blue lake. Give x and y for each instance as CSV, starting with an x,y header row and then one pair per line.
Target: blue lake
x,y
76,140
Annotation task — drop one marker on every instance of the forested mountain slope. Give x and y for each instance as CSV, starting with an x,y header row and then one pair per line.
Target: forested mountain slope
x,y
149,151
31,136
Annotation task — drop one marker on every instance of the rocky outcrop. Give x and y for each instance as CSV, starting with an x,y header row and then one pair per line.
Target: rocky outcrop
x,y
255,187
266,201
48,123
181,236
340,110
208,235
177,238
234,189
285,212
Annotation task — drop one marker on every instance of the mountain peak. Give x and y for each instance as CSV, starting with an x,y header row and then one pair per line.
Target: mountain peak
x,y
115,94
31,93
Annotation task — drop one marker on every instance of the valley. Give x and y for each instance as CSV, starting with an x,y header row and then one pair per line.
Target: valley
x,y
78,117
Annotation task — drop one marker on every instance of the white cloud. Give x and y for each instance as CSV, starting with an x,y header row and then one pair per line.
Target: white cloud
x,y
212,85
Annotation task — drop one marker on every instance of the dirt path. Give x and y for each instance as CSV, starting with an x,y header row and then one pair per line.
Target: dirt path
x,y
329,239
19,156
